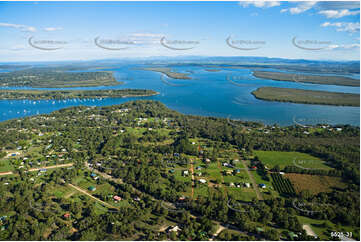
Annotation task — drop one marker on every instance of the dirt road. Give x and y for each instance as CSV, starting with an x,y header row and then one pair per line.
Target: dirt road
x,y
254,183
88,194
37,169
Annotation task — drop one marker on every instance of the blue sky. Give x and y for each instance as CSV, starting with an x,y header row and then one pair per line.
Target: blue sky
x,y
296,30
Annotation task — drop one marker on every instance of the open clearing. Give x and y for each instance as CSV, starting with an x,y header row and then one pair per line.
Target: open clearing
x,y
283,159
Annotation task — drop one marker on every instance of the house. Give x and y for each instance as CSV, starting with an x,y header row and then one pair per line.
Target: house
x,y
262,185
117,198
171,171
67,215
199,174
185,173
247,184
193,143
208,160
94,176
237,171
229,172
231,184
225,164
92,188
203,181
254,167
181,198
173,229
281,173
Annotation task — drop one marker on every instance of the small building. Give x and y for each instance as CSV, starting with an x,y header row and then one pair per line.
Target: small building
x,y
262,185
173,229
199,174
229,172
185,173
208,160
117,198
181,198
198,168
225,164
67,215
237,171
94,176
202,181
171,171
254,167
281,173
42,170
247,184
92,188
231,184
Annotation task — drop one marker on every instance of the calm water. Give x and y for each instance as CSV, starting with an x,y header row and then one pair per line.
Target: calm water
x,y
226,93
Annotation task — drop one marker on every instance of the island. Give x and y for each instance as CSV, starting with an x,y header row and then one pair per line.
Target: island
x,y
314,79
48,78
168,72
307,96
69,94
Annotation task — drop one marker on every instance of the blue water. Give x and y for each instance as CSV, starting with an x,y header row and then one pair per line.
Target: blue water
x,y
226,93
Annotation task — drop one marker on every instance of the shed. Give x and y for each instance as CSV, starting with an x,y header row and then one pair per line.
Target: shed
x,y
203,181
92,188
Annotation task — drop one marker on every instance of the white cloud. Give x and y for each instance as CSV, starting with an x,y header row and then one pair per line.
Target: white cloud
x,y
300,8
338,13
343,26
260,4
50,29
21,27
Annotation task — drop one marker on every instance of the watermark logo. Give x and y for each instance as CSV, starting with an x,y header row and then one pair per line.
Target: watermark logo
x,y
176,207
236,123
242,207
234,80
114,44
46,44
45,206
245,44
164,80
307,164
173,163
308,122
312,45
178,44
107,209
308,207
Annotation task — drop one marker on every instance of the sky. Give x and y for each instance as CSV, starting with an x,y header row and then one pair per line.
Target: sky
x,y
56,31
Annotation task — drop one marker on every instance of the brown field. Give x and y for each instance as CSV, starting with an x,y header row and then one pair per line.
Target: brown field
x,y
314,183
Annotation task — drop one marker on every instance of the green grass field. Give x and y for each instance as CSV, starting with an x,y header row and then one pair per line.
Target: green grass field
x,y
273,158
